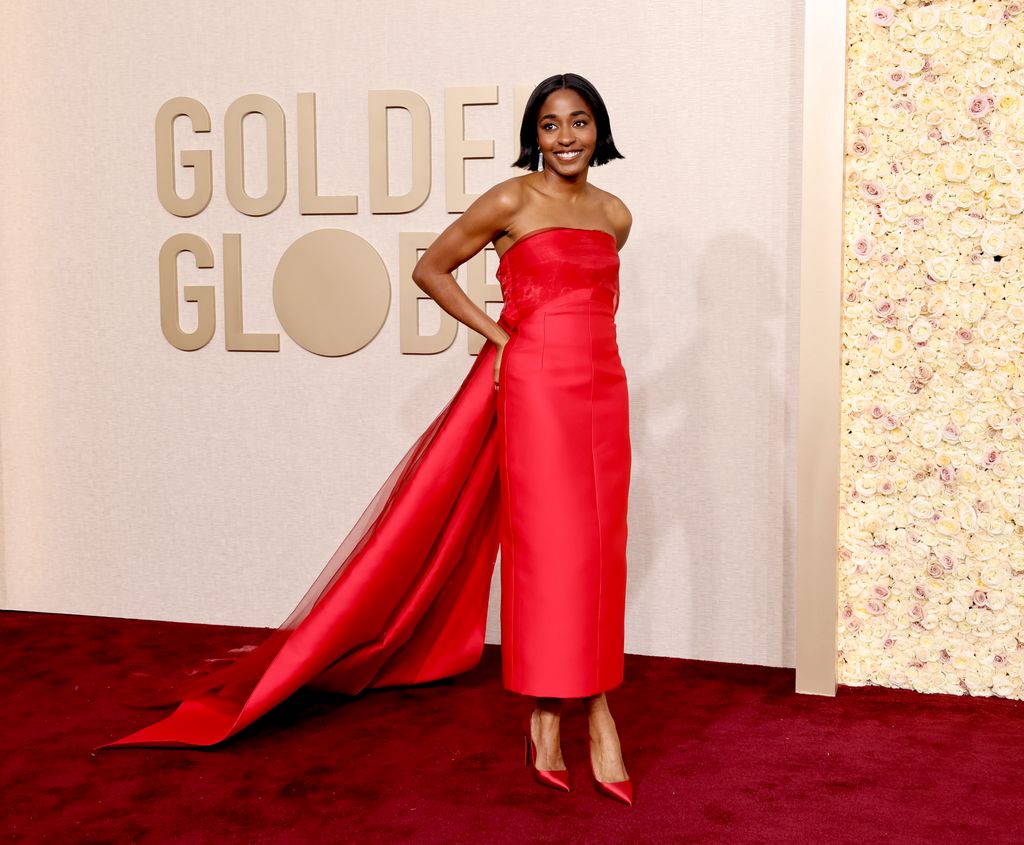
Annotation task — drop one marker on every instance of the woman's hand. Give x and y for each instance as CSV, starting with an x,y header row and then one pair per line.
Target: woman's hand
x,y
497,359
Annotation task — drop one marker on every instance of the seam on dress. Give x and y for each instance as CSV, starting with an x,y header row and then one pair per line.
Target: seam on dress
x,y
597,502
543,337
503,385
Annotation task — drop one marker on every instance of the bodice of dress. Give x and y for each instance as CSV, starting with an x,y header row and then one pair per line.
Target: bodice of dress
x,y
549,263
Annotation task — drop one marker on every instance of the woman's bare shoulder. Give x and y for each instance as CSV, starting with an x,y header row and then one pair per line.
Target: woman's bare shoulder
x,y
618,215
493,211
507,195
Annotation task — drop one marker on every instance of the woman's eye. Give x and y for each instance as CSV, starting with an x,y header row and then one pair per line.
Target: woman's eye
x,y
581,123
549,126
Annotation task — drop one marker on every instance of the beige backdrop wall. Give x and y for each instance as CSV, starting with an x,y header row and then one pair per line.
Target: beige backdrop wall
x,y
142,481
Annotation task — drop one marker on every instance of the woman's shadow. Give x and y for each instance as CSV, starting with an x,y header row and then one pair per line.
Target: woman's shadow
x,y
713,435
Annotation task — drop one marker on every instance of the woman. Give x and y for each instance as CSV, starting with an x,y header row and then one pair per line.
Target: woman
x,y
532,454
566,227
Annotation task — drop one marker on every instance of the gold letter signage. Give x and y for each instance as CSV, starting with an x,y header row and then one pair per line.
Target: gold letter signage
x,y
331,289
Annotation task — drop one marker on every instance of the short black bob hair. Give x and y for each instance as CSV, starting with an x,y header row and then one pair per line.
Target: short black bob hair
x,y
529,152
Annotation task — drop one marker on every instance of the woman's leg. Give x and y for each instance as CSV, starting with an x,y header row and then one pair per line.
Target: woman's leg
x,y
605,749
546,726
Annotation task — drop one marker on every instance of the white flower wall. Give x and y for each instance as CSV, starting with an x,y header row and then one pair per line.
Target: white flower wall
x,y
931,531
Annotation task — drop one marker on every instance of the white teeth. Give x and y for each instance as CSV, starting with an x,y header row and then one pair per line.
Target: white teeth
x,y
569,155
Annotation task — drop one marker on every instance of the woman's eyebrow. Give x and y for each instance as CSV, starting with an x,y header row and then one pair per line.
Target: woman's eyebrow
x,y
572,114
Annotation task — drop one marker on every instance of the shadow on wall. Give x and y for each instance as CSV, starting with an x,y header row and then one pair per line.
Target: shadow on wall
x,y
710,433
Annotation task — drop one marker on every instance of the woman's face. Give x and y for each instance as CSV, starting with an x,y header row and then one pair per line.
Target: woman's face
x,y
566,133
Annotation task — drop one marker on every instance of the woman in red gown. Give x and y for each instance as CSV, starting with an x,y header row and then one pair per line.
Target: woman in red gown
x,y
532,454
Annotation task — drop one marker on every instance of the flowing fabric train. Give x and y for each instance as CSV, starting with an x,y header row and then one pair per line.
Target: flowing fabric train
x,y
404,598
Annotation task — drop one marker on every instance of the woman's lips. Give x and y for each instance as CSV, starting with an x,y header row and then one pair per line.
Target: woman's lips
x,y
568,155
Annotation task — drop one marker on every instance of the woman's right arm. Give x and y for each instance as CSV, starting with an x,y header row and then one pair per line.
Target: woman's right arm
x,y
479,225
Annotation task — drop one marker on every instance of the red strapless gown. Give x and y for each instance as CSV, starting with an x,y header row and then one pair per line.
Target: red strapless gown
x,y
540,467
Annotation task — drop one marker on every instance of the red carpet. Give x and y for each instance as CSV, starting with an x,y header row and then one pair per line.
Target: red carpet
x,y
718,753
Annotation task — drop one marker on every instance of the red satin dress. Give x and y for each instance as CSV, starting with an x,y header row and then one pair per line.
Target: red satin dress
x,y
539,468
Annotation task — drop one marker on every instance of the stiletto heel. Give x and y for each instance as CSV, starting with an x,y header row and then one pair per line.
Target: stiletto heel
x,y
619,790
556,779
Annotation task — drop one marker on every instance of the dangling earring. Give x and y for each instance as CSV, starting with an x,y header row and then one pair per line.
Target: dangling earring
x,y
540,159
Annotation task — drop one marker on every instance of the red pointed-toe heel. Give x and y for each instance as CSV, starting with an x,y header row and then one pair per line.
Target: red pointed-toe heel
x,y
557,779
619,790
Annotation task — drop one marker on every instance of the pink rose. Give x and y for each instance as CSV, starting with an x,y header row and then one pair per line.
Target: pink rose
x,y
875,606
991,458
872,191
965,335
860,147
883,307
863,246
916,613
920,592
879,591
897,77
935,570
980,105
947,475
980,598
882,15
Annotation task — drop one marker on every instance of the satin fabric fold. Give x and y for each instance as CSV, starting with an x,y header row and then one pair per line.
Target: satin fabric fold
x,y
402,601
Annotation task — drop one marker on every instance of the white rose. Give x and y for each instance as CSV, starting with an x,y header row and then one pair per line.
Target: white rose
x,y
924,18
995,576
920,331
941,267
927,43
956,168
974,26
993,241
1003,686
921,508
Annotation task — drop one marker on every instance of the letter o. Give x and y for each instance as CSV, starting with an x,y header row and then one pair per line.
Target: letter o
x,y
331,292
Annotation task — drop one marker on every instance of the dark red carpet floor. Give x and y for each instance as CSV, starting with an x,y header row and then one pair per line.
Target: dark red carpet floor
x,y
718,753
